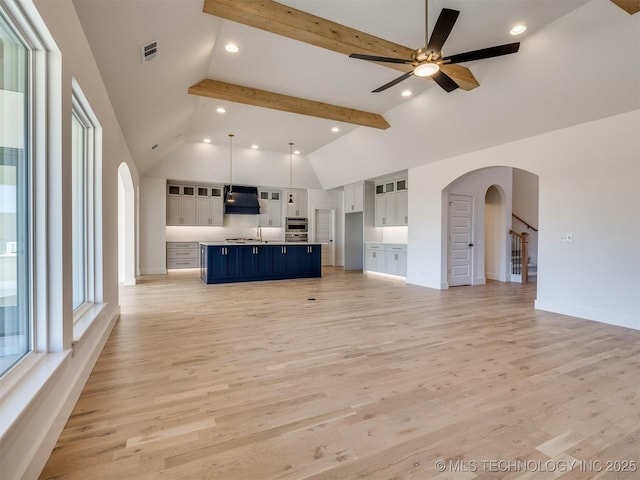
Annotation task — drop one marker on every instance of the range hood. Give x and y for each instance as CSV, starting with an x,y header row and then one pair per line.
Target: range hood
x,y
245,201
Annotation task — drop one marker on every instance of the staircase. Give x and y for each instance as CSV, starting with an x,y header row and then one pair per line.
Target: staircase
x,y
522,271
516,269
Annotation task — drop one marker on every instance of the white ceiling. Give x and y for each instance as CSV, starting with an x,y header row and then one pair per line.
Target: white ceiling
x,y
154,108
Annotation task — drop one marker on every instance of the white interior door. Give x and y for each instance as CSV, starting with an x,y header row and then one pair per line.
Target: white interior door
x,y
460,242
324,229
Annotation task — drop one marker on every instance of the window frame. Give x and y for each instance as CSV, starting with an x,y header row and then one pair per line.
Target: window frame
x,y
28,358
50,340
81,109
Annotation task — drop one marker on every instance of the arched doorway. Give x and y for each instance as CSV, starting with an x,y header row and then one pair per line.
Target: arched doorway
x,y
126,227
494,195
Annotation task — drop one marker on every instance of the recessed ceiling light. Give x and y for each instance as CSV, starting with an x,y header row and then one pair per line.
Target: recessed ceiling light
x,y
335,129
231,48
518,29
296,152
206,140
221,110
407,93
255,147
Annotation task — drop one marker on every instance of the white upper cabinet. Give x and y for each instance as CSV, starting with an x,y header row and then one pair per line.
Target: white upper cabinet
x,y
270,208
392,202
300,203
354,198
189,205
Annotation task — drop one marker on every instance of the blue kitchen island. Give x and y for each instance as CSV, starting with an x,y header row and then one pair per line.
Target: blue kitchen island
x,y
224,262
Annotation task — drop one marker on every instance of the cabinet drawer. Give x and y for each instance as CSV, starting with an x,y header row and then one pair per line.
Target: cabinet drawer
x,y
182,263
181,254
396,248
182,245
375,246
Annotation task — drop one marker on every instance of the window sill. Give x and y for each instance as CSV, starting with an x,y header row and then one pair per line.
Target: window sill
x,y
16,398
82,323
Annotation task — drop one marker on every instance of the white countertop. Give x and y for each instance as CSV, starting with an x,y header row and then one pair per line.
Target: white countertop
x,y
255,242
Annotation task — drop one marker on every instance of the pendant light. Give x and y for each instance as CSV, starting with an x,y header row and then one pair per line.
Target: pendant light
x,y
230,195
290,173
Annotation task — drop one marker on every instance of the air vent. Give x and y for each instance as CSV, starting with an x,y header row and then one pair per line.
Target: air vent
x,y
149,51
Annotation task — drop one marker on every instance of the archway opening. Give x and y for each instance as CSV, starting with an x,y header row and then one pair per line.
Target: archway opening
x,y
494,229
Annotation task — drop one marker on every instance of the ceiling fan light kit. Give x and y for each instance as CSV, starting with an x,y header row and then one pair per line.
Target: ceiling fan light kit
x,y
430,62
518,29
426,69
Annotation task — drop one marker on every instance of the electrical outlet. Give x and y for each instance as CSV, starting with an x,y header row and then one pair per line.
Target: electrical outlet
x,y
566,237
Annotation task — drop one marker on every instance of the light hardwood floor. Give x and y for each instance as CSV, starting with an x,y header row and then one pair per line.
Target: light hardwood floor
x,y
373,379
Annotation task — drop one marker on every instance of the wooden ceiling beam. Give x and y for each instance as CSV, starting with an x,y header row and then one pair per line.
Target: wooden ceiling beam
x,y
629,6
289,22
286,103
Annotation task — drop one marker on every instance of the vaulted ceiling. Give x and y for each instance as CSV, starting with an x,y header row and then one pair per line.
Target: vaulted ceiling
x,y
158,114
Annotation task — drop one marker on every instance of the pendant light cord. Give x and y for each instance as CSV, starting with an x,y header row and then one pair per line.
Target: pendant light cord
x,y
230,162
290,202
229,197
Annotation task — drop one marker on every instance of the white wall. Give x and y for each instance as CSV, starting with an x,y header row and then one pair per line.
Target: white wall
x,y
209,163
126,227
153,220
525,205
589,186
48,393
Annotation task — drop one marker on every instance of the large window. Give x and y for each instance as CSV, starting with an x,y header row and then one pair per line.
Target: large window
x,y
15,323
86,165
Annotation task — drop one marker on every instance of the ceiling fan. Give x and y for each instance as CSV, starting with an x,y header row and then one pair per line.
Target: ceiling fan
x,y
429,61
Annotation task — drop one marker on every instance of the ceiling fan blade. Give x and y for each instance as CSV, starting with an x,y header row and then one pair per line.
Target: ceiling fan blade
x,y
393,82
442,29
461,75
483,53
375,58
444,81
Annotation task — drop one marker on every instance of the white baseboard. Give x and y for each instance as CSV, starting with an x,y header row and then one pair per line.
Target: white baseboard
x,y
153,271
587,313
